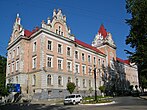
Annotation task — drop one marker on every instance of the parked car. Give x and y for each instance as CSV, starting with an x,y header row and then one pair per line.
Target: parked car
x,y
73,99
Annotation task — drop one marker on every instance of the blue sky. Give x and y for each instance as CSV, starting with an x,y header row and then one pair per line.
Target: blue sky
x,y
84,18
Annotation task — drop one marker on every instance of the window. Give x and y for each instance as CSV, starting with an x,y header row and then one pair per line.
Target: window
x,y
17,79
13,55
49,61
99,62
77,82
8,68
49,93
60,64
94,60
83,69
34,80
34,62
56,31
17,51
69,66
77,68
12,67
59,30
59,48
89,83
68,51
69,79
90,70
76,54
17,65
10,55
59,80
89,58
34,47
83,57
49,46
84,85
49,79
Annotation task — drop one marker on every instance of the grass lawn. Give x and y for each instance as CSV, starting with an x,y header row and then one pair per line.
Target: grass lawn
x,y
100,99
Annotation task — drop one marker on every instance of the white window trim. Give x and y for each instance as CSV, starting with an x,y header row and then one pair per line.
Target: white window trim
x,y
78,68
17,65
70,65
51,45
8,69
88,58
61,48
75,54
13,53
51,61
84,69
17,50
33,62
70,51
90,72
34,49
94,61
61,63
12,67
82,57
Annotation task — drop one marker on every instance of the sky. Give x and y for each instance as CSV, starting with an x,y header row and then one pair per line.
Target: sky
x,y
84,18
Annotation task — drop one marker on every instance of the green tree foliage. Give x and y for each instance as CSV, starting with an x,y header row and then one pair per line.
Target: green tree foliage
x,y
137,37
70,87
3,61
102,88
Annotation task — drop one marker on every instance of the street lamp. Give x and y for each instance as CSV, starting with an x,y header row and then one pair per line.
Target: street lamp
x,y
95,82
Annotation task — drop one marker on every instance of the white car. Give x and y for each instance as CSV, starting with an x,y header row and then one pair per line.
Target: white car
x,y
73,99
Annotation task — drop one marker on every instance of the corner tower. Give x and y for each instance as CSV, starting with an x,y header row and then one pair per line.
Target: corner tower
x,y
104,42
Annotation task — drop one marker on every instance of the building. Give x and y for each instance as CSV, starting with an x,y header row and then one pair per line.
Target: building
x,y
45,59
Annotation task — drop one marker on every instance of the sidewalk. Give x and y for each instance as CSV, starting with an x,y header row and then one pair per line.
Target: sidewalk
x,y
48,102
143,97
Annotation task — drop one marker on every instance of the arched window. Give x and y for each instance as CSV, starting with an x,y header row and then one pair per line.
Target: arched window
x,y
69,79
49,79
59,80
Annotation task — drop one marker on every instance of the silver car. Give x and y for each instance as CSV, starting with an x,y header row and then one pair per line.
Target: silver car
x,y
73,99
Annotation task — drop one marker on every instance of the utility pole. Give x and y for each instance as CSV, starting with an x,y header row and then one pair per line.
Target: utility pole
x,y
95,83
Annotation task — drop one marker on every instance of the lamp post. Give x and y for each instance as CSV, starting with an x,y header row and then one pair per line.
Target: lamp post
x,y
95,83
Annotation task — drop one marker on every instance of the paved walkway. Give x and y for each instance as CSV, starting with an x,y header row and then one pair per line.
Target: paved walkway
x,y
143,97
50,102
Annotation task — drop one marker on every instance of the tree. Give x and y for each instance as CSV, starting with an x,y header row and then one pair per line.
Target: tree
x,y
70,87
137,37
90,91
3,90
102,89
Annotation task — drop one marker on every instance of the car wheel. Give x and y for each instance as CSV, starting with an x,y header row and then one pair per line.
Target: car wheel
x,y
74,102
64,103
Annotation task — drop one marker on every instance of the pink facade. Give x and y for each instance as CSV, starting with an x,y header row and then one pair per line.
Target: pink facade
x,y
47,57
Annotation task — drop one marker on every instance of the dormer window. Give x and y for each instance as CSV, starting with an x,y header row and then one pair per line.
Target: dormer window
x,y
56,31
59,31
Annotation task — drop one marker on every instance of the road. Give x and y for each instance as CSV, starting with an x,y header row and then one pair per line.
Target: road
x,y
122,103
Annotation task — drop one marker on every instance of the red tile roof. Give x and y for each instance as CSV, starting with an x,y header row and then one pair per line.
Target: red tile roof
x,y
88,46
28,33
103,31
123,61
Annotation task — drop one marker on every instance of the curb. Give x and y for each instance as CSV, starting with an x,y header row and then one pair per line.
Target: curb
x,y
113,102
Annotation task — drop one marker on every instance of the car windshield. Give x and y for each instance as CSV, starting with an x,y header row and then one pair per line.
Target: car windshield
x,y
70,96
